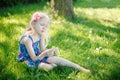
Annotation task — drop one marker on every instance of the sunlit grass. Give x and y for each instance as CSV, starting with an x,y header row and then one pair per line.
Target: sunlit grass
x,y
106,14
91,40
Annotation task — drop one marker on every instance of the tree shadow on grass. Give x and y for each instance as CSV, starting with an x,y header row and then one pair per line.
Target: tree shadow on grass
x,y
58,73
65,40
108,32
4,73
115,73
96,26
105,67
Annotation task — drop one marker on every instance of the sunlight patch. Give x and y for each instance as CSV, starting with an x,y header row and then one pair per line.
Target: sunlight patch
x,y
56,26
65,54
3,37
100,13
7,21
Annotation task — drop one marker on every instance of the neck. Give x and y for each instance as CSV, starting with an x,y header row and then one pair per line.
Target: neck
x,y
35,34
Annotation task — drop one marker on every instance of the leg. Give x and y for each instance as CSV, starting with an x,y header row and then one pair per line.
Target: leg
x,y
46,66
64,62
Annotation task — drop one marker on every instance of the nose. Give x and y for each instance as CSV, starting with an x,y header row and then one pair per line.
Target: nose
x,y
43,29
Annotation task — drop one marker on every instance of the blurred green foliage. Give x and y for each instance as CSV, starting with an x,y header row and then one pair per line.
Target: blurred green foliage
x,y
9,3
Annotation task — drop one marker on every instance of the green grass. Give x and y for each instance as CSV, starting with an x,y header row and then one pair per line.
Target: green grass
x,y
91,40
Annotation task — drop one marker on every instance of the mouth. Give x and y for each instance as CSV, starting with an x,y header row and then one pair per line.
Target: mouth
x,y
42,31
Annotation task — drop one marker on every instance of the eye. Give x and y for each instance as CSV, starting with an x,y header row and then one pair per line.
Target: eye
x,y
42,24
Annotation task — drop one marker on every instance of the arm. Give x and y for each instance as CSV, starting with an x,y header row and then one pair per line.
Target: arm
x,y
28,44
42,43
50,52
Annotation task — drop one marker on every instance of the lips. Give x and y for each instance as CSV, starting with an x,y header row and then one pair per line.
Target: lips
x,y
42,30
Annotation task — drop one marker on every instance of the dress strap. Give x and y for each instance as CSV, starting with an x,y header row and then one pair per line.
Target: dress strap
x,y
26,36
21,38
30,38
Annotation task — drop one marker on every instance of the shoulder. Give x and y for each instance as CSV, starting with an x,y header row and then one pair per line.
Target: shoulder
x,y
25,40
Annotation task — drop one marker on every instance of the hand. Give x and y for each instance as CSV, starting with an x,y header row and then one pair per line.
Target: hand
x,y
56,50
51,52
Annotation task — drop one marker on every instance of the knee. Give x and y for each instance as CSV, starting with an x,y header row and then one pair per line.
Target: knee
x,y
45,66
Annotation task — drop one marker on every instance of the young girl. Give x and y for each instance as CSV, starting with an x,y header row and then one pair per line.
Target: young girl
x,y
32,46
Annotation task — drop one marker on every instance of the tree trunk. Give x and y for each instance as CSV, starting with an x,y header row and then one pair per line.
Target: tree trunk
x,y
62,7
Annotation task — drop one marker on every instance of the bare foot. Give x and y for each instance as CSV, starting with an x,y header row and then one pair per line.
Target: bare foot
x,y
87,71
83,69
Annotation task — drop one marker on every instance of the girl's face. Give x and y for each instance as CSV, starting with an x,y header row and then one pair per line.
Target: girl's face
x,y
41,25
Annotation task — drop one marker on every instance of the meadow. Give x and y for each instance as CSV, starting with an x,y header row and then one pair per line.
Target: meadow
x,y
91,40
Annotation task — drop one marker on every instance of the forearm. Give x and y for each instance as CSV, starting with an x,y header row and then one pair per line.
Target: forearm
x,y
47,52
41,56
42,45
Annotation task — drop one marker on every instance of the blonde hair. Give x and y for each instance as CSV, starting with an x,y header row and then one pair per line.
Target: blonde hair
x,y
41,16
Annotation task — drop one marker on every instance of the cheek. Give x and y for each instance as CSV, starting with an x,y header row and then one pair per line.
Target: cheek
x,y
37,28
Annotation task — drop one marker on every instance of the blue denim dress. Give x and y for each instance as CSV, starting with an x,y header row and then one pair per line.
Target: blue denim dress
x,y
23,55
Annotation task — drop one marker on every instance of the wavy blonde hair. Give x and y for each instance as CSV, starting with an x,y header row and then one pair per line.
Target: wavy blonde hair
x,y
31,29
